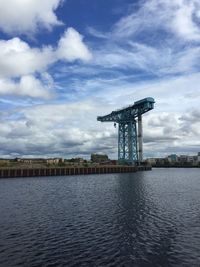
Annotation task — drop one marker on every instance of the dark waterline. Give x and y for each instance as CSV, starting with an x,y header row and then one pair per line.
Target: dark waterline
x,y
138,219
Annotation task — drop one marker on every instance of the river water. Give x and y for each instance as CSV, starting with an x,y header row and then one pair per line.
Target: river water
x,y
139,219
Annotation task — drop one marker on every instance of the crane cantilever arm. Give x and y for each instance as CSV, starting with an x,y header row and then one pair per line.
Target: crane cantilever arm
x,y
109,118
129,113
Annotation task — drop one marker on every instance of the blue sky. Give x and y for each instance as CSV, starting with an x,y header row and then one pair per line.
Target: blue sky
x,y
63,63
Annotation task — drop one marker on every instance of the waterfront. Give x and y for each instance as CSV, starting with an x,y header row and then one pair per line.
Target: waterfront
x,y
73,170
136,219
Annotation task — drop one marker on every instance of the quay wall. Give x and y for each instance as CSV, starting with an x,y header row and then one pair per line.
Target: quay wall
x,y
36,172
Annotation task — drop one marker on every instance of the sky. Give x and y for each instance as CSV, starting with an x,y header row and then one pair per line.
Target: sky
x,y
65,62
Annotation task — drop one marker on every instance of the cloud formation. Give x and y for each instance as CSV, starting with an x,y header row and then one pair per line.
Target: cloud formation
x,y
55,130
180,17
25,17
156,38
71,47
28,85
71,130
18,59
52,94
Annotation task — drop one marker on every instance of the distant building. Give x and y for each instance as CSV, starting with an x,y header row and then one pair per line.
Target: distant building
x,y
54,160
175,160
39,160
195,160
151,161
183,159
98,158
198,157
160,161
30,160
191,159
172,158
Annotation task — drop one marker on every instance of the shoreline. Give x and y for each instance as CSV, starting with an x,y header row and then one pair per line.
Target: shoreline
x,y
63,171
188,167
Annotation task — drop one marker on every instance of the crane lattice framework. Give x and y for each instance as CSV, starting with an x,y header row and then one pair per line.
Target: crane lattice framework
x,y
130,144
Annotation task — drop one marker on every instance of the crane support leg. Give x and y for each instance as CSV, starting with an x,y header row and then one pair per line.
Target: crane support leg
x,y
140,139
127,142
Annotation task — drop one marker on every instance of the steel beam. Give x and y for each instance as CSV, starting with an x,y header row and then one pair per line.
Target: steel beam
x,y
140,139
127,143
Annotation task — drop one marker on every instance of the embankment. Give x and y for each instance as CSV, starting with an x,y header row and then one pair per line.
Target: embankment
x,y
35,172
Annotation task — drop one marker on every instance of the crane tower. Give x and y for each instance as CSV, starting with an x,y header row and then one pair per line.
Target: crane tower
x,y
130,132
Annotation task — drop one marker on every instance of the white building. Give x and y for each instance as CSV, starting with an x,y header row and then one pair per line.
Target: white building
x,y
198,157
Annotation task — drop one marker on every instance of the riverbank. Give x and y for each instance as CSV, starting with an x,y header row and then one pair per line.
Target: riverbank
x,y
63,171
176,166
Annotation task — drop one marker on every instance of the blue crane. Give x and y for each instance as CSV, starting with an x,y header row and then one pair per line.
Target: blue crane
x,y
130,144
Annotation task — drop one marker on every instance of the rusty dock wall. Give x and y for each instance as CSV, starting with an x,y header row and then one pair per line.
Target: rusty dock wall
x,y
36,172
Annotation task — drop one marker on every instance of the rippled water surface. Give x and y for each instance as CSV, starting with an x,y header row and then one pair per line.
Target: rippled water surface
x,y
139,219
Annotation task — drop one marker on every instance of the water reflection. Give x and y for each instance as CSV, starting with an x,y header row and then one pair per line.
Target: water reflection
x,y
146,237
139,219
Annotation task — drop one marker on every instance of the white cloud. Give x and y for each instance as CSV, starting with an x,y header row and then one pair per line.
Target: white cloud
x,y
27,16
170,132
134,56
183,22
92,31
54,130
27,86
71,47
72,129
18,59
149,59
180,17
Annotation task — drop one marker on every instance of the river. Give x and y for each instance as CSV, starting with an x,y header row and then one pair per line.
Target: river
x,y
139,219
